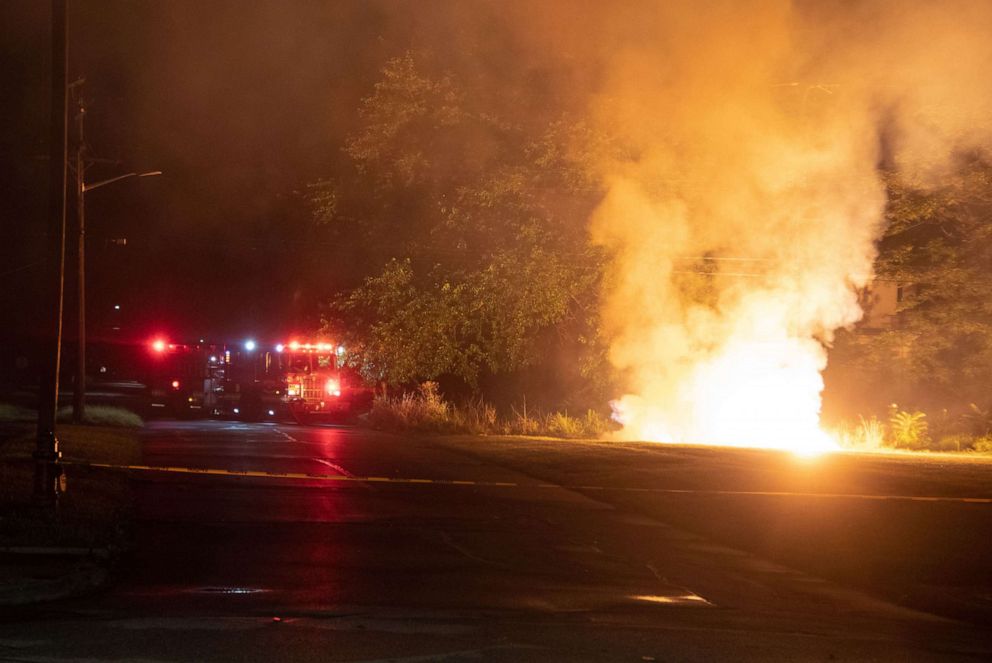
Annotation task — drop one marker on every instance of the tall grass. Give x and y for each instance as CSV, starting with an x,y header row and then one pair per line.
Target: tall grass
x,y
423,409
426,410
909,430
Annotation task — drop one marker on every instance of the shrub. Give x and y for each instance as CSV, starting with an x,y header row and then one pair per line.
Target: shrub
x,y
983,444
426,410
909,429
954,442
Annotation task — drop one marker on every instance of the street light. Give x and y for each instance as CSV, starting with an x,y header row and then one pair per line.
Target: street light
x,y
79,393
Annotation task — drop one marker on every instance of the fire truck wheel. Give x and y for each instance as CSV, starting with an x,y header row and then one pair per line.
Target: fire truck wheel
x,y
306,419
301,416
251,409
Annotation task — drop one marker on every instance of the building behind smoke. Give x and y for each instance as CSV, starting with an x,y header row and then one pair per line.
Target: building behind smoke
x,y
881,303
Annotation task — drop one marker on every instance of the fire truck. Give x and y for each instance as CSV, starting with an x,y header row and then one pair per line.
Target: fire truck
x,y
304,381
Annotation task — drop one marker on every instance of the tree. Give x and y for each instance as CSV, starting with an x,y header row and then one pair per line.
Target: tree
x,y
938,246
474,228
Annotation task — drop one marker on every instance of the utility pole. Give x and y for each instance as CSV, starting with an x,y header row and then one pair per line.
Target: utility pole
x,y
79,391
46,454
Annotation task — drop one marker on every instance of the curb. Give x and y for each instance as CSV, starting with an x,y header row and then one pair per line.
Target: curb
x,y
53,551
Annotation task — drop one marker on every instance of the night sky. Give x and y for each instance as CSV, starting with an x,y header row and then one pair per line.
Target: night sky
x,y
241,105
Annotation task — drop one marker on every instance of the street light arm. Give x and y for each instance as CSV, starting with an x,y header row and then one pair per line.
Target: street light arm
x,y
97,185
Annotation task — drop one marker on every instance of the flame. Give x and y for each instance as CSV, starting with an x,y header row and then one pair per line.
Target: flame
x,y
752,394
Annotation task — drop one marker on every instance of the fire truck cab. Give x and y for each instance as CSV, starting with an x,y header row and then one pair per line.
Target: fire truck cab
x,y
316,385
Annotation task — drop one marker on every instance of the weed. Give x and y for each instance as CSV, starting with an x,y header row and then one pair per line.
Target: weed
x,y
870,432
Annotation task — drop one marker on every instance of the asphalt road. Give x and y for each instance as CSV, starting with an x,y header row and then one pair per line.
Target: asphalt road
x,y
501,566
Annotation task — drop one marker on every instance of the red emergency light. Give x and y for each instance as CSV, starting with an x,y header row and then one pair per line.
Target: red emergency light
x,y
296,346
158,345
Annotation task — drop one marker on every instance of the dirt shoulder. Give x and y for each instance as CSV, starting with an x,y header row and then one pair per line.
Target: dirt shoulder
x,y
811,514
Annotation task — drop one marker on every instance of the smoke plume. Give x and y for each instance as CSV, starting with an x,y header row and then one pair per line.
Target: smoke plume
x,y
746,196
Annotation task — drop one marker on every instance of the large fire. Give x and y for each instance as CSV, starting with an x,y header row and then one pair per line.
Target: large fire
x,y
757,394
732,360
745,193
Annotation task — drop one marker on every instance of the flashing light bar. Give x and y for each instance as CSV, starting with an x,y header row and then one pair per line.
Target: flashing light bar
x,y
296,346
160,345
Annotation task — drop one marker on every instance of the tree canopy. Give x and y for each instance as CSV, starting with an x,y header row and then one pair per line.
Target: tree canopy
x,y
937,246
473,229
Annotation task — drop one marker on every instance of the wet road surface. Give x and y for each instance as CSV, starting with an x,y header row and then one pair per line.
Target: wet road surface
x,y
247,568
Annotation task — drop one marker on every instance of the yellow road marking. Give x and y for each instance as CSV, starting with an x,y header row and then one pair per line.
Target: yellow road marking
x,y
507,484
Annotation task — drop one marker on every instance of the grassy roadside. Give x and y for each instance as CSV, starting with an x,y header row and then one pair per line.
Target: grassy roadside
x,y
95,505
927,555
425,410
